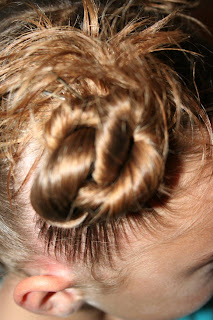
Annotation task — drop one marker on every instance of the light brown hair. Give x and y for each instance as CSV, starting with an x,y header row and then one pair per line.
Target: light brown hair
x,y
107,102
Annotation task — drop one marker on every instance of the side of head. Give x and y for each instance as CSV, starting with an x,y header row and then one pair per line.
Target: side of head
x,y
100,124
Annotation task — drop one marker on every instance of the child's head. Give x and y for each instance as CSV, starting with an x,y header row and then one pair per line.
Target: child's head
x,y
106,164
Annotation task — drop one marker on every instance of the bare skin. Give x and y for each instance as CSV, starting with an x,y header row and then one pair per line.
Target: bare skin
x,y
10,310
164,274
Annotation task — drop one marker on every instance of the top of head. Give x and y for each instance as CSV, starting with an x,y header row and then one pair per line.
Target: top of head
x,y
105,103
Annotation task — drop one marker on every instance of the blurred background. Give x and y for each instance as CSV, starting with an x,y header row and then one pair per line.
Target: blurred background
x,y
205,13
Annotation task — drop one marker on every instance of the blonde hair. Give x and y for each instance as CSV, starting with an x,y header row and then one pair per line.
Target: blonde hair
x,y
106,104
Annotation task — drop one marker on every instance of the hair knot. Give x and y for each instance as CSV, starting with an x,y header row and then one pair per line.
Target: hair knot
x,y
103,162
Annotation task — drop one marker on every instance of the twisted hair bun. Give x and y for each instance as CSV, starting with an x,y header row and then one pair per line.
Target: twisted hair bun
x,y
108,98
104,161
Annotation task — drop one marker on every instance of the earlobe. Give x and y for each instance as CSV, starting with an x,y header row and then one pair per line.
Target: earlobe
x,y
48,295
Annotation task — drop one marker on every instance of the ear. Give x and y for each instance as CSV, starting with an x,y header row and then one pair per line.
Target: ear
x,y
48,295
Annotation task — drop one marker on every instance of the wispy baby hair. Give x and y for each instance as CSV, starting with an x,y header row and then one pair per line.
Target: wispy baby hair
x,y
105,107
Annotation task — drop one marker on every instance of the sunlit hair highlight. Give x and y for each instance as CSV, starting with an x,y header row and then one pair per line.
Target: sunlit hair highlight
x,y
105,110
